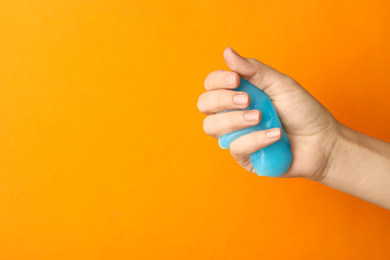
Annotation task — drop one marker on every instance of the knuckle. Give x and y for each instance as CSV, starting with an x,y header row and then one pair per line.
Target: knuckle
x,y
234,149
286,80
209,80
254,61
274,79
289,80
257,64
207,127
200,103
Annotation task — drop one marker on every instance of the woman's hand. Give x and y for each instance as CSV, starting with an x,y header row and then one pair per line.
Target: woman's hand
x,y
311,128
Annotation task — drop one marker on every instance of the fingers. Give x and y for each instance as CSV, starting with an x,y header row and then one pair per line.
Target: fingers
x,y
218,100
224,123
222,79
258,73
243,146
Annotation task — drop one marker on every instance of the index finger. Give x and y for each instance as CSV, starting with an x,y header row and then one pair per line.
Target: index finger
x,y
222,79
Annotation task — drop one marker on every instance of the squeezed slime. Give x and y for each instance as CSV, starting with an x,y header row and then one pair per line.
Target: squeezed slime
x,y
275,159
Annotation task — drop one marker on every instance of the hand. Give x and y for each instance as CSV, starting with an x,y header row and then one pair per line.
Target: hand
x,y
311,128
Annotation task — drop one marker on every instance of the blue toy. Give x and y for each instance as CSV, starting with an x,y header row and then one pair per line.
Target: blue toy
x,y
275,159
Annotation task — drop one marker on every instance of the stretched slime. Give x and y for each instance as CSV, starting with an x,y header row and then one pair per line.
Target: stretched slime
x,y
275,159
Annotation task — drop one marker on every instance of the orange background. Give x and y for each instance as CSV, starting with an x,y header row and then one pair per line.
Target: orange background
x,y
102,152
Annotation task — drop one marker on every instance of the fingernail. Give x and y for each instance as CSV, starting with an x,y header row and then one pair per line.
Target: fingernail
x,y
240,99
273,133
251,116
230,79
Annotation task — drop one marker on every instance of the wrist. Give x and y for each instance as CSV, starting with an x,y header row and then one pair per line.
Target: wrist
x,y
332,153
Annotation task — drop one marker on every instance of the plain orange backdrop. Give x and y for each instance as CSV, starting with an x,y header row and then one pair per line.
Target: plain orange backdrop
x,y
102,152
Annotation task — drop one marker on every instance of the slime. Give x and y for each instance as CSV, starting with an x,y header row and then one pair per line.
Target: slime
x,y
272,160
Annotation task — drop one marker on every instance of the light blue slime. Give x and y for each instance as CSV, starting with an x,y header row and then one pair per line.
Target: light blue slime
x,y
275,159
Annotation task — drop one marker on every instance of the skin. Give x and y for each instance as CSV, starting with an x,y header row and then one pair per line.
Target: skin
x,y
324,150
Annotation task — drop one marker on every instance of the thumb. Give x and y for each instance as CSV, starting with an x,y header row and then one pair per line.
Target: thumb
x,y
256,72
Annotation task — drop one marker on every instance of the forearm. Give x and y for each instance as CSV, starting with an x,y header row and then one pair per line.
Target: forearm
x,y
360,165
